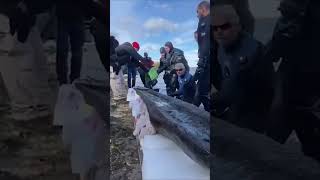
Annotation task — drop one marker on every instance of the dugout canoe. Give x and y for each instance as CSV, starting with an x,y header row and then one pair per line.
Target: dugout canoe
x,y
185,124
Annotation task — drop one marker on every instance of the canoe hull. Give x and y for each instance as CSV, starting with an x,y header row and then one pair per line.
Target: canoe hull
x,y
183,123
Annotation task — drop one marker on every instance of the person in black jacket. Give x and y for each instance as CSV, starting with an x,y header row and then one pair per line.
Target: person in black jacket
x,y
246,86
127,53
296,106
132,70
202,74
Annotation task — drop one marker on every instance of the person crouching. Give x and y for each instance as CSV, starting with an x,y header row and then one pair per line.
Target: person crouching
x,y
186,88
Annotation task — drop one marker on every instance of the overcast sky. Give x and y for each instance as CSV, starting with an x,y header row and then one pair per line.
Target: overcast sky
x,y
153,22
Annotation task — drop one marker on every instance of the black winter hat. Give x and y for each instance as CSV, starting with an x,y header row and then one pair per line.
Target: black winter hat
x,y
169,44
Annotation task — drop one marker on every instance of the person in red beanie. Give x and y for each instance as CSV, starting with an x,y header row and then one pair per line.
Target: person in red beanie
x,y
127,54
136,46
132,70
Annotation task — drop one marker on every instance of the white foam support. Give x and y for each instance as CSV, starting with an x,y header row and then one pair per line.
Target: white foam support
x,y
164,160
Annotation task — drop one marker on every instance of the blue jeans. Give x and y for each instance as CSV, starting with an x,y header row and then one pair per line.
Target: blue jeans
x,y
132,72
73,32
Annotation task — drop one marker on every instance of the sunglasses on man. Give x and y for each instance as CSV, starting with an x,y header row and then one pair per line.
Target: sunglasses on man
x,y
223,27
178,70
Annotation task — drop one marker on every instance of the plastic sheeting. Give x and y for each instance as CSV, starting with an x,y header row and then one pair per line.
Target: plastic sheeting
x,y
83,133
140,114
24,69
118,85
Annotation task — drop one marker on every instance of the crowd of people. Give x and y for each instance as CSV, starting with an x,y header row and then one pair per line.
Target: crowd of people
x,y
237,78
177,77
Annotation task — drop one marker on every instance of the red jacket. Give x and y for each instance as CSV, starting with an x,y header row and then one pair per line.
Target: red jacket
x,y
148,63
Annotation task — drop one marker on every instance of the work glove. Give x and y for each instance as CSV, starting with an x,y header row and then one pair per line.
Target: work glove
x,y
159,70
152,83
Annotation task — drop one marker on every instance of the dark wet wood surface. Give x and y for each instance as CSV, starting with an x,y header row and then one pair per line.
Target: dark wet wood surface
x,y
184,123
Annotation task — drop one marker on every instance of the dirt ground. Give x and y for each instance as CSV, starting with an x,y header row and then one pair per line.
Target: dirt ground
x,y
125,164
32,150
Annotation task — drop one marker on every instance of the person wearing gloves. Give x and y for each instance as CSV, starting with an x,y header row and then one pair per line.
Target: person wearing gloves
x,y
172,56
126,53
202,74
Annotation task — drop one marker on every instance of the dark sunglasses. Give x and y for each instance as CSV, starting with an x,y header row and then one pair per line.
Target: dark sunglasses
x,y
223,27
179,70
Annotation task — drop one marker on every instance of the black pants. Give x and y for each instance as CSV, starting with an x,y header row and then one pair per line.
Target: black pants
x,y
100,38
69,32
296,94
202,92
142,76
132,72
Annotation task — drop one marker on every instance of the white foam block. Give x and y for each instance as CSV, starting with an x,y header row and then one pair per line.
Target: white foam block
x,y
158,142
164,160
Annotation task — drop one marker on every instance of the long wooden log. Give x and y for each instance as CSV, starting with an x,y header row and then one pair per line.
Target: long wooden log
x,y
185,124
241,154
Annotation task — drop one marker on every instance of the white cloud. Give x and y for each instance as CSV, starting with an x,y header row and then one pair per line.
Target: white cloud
x,y
164,6
178,41
158,4
124,27
148,47
184,38
189,24
155,25
159,24
182,41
